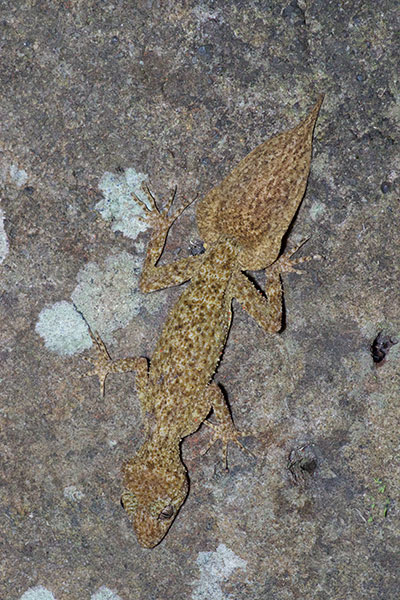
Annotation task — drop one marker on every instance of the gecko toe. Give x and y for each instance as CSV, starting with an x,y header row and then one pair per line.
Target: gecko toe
x,y
226,433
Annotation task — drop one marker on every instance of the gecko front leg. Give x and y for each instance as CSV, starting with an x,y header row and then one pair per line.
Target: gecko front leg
x,y
158,277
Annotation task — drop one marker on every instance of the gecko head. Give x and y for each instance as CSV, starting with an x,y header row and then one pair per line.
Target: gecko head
x,y
152,498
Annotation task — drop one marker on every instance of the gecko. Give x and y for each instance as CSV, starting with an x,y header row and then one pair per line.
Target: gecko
x,y
242,222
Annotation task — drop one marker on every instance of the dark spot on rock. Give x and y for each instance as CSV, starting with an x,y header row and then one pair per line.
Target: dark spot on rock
x,y
381,346
302,462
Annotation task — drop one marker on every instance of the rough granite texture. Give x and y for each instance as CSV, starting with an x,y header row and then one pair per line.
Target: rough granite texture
x,y
179,92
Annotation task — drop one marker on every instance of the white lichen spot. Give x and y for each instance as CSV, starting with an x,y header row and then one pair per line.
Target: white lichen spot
x,y
63,329
37,593
109,297
3,238
317,209
19,176
104,593
215,568
72,493
41,593
118,205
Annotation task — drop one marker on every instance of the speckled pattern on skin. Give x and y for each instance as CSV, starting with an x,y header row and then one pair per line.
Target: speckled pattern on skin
x,y
242,221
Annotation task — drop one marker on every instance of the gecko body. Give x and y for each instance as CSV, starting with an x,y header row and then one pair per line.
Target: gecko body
x,y
242,222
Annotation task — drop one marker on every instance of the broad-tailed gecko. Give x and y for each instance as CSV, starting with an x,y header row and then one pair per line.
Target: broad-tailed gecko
x,y
242,222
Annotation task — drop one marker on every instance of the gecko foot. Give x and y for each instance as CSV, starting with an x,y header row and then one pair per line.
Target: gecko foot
x,y
156,218
286,264
101,362
226,432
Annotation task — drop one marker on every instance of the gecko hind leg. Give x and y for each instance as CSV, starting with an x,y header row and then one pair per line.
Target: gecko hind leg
x,y
285,263
266,308
225,429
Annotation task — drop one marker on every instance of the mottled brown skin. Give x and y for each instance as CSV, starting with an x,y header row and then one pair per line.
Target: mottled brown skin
x,y
257,201
242,221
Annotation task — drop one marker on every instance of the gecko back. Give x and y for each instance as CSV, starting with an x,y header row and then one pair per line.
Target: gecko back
x,y
256,202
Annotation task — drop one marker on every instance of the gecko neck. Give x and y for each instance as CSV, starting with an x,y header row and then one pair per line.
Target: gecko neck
x,y
161,449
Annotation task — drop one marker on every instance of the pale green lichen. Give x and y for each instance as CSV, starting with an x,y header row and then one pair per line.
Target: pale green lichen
x,y
63,329
41,593
3,238
215,569
72,493
37,593
109,297
104,593
19,176
118,206
316,210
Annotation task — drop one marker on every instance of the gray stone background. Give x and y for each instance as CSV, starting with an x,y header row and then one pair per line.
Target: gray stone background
x,y
97,96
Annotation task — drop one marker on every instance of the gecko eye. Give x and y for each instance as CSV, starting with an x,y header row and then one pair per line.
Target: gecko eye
x,y
166,513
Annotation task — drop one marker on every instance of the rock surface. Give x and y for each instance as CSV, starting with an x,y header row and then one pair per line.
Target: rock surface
x,y
98,96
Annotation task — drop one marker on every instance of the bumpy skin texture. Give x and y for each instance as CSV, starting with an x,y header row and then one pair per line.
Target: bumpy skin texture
x,y
242,221
256,202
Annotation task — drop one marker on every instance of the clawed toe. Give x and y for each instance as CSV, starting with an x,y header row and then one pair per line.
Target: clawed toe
x,y
100,372
101,363
226,433
287,264
158,218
